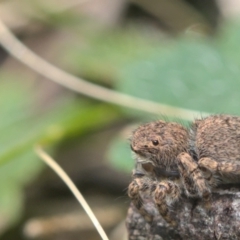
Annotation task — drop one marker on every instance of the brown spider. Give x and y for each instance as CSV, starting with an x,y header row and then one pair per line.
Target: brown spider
x,y
172,160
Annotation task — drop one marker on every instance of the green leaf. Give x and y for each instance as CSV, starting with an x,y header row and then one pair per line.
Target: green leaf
x,y
192,73
119,155
11,204
102,55
228,42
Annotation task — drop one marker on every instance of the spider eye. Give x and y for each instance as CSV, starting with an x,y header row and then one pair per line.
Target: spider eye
x,y
155,142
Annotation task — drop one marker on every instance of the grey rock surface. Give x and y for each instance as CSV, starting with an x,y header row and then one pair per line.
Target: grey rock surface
x,y
218,219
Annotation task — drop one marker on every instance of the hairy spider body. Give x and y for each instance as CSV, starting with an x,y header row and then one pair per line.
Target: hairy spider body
x,y
217,146
172,160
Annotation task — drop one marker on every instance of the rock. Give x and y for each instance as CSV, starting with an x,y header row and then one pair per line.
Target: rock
x,y
196,219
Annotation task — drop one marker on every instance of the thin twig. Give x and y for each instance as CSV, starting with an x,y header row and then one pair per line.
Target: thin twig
x,y
57,169
18,50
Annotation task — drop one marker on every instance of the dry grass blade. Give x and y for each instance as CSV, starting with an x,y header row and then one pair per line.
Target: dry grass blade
x,y
50,162
18,50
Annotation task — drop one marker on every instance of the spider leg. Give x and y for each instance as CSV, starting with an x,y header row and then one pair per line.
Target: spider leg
x,y
229,171
163,193
192,178
166,193
141,185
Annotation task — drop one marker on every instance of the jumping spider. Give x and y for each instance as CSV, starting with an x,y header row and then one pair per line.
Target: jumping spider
x,y
172,160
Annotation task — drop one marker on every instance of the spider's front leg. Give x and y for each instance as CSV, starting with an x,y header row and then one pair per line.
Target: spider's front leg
x,y
165,195
192,178
141,186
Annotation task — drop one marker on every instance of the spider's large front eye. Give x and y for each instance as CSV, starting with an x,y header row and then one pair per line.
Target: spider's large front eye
x,y
155,142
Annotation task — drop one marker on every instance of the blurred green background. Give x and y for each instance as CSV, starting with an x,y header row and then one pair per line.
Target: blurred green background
x,y
181,53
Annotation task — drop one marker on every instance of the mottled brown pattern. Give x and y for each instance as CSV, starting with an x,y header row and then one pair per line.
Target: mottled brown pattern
x,y
172,139
165,194
179,161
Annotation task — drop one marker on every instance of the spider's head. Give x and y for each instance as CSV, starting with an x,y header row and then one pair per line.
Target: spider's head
x,y
159,143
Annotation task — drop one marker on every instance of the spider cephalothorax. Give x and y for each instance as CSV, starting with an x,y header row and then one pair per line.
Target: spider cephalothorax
x,y
159,142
